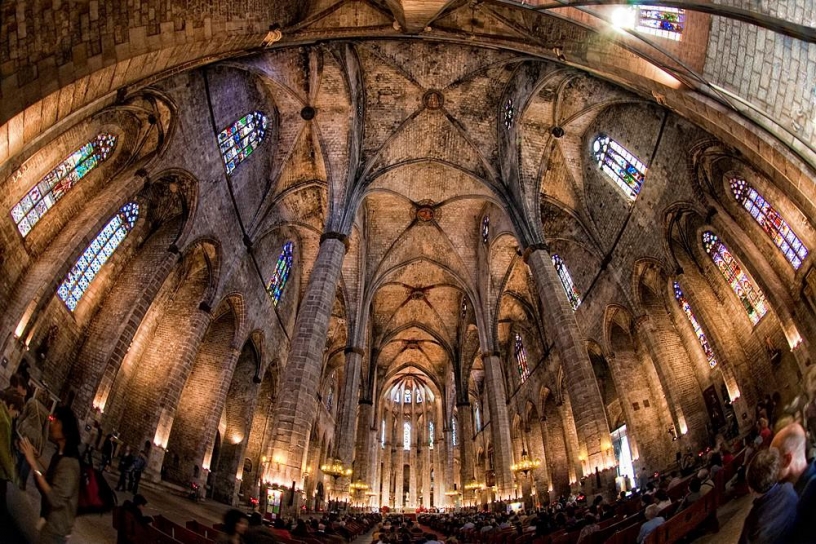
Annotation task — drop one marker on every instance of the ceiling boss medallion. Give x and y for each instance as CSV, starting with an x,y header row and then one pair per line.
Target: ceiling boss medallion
x,y
433,100
425,211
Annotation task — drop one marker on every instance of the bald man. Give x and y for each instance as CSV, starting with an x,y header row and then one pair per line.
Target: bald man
x,y
791,442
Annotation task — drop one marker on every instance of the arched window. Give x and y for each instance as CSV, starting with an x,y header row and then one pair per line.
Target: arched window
x,y
82,274
454,438
566,281
485,229
661,21
521,359
698,330
743,286
278,280
407,397
621,166
430,435
240,139
418,396
382,435
477,417
464,308
59,181
771,222
406,436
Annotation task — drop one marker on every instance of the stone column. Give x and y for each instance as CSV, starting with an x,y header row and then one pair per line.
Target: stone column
x,y
385,475
426,462
450,477
413,455
362,463
559,318
465,447
297,403
347,415
499,422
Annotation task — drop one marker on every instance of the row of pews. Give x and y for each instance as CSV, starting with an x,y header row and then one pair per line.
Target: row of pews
x,y
625,526
164,531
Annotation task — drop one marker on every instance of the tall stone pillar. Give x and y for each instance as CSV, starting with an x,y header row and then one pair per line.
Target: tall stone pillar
x,y
348,410
413,455
385,475
426,462
465,447
499,423
399,494
590,420
450,477
362,463
297,403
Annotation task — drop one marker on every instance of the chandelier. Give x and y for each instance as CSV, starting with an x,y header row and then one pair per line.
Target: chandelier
x,y
473,485
525,465
371,493
335,468
359,485
452,493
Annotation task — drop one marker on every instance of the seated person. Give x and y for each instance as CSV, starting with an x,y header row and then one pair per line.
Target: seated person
x,y
257,533
653,521
136,509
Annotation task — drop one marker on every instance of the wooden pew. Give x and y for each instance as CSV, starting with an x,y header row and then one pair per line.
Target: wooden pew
x,y
686,521
182,534
625,536
130,531
200,528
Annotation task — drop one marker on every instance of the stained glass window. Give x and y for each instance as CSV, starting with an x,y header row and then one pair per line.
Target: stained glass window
x,y
698,330
382,435
521,359
509,113
407,396
464,309
59,181
239,140
771,222
621,166
95,255
743,286
661,21
566,281
477,417
406,436
430,435
418,396
278,280
454,438
485,229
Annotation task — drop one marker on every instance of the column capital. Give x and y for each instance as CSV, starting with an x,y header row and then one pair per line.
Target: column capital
x,y
351,349
335,236
532,248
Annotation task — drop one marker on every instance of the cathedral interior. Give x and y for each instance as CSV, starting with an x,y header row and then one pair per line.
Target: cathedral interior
x,y
395,251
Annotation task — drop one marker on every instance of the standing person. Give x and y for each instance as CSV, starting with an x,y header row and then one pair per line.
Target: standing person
x,y
59,485
125,463
773,514
235,525
31,425
791,441
107,452
10,406
765,434
136,469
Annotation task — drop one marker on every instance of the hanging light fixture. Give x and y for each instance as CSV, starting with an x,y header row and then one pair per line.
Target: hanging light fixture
x,y
473,485
359,485
335,468
525,465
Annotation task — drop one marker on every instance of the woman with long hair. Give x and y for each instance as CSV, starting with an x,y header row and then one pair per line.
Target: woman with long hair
x,y
59,484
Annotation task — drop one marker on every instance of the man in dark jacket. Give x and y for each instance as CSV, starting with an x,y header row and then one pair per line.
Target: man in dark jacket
x,y
773,514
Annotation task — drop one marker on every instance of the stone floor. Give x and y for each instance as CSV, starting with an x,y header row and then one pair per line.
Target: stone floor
x,y
172,504
731,516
